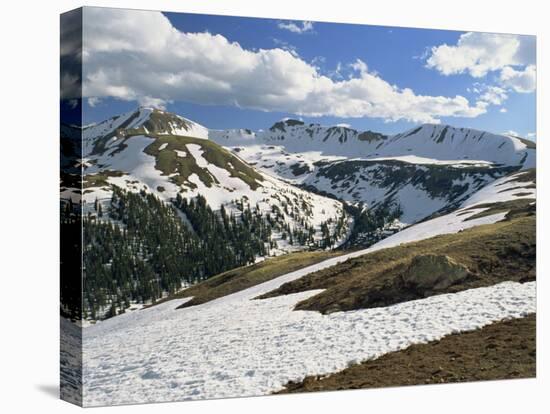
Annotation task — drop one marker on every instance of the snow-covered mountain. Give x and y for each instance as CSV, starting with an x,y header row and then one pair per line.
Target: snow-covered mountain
x,y
426,170
301,172
426,144
147,121
161,153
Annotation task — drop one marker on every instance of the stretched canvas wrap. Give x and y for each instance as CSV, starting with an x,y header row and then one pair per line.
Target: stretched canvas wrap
x,y
258,206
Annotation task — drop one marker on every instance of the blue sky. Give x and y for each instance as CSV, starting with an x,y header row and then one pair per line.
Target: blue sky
x,y
403,57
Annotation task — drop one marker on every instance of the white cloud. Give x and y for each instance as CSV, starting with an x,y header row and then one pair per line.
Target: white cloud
x,y
480,53
154,102
424,55
494,95
296,27
522,81
318,62
360,67
511,56
503,110
337,72
343,125
285,46
93,101
139,55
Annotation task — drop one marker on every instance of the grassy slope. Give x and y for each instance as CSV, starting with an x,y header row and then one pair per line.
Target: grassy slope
x,y
169,162
513,206
247,276
502,350
493,253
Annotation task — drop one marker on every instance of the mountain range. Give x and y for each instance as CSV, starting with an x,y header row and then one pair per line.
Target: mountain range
x,y
310,168
227,198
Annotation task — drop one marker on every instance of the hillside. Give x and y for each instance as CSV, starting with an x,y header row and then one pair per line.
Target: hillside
x,y
419,267
289,188
491,235
502,350
413,175
163,210
239,331
490,252
244,277
146,151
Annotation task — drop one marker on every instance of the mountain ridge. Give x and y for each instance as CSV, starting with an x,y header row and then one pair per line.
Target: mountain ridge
x,y
246,195
157,152
427,169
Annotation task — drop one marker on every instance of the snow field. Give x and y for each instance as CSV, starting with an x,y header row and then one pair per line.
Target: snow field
x,y
244,348
236,346
502,190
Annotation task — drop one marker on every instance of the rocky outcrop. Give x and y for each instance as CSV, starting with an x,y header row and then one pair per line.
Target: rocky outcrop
x,y
431,272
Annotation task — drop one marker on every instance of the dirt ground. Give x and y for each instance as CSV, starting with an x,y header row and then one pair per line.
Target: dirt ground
x,y
503,350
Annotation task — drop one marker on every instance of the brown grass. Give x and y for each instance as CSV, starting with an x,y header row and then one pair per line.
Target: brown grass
x,y
494,253
503,350
244,277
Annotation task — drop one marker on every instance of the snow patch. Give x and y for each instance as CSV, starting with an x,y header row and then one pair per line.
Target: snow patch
x,y
502,190
241,347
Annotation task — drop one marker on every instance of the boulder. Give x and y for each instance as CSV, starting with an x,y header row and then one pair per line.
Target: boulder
x,y
432,272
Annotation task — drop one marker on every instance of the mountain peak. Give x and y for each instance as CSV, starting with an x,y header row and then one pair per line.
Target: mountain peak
x,y
293,122
283,123
439,132
144,120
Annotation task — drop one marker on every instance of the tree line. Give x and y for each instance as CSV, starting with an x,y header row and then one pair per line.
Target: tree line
x,y
138,248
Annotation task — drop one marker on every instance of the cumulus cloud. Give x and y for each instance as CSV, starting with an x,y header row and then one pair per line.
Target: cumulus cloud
x,y
494,95
523,81
71,54
296,27
480,53
139,55
512,57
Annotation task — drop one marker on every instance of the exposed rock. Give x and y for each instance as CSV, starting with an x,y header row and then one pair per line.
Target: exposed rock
x,y
432,272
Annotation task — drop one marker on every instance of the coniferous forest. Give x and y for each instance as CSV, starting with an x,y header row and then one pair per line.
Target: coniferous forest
x,y
139,248
371,225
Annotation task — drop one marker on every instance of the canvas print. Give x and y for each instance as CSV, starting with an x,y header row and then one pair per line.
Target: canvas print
x,y
260,206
